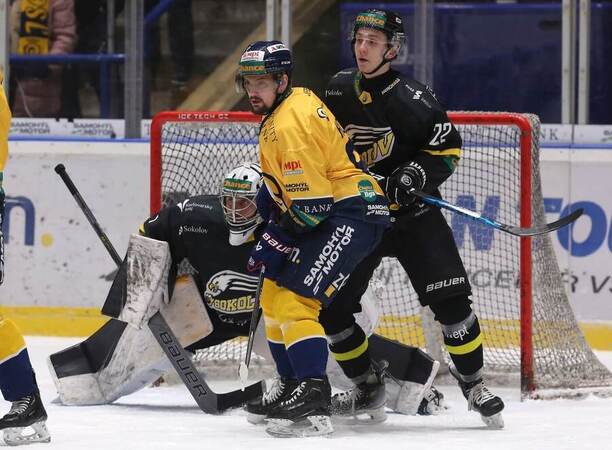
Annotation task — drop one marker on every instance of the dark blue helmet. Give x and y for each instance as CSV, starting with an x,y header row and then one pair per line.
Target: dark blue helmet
x,y
265,57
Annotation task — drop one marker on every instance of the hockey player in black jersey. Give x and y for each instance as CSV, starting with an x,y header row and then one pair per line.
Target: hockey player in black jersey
x,y
119,359
407,140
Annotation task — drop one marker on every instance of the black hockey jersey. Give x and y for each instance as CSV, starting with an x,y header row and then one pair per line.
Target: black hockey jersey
x,y
199,244
394,120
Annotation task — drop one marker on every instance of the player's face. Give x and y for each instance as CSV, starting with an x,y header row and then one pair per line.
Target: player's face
x,y
370,48
242,208
262,91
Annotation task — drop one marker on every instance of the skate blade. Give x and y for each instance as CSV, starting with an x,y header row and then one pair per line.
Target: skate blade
x,y
255,419
311,426
495,422
365,417
16,436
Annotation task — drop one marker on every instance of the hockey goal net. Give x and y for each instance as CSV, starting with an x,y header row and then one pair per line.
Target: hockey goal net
x,y
530,332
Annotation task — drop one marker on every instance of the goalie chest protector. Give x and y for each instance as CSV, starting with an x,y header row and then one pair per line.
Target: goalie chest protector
x,y
199,244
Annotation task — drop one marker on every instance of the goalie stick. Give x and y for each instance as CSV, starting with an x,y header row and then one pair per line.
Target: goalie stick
x,y
243,370
516,231
208,401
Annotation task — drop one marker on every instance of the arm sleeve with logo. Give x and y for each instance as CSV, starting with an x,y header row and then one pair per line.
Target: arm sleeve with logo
x,y
419,121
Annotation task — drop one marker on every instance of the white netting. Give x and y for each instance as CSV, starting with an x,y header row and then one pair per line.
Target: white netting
x,y
196,155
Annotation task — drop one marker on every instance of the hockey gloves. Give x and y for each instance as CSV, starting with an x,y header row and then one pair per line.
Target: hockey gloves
x,y
266,208
398,185
272,250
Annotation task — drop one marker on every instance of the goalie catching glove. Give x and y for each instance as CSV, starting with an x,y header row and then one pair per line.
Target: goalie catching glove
x,y
272,250
398,185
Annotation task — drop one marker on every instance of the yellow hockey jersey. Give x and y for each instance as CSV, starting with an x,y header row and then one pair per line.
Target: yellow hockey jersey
x,y
5,125
309,165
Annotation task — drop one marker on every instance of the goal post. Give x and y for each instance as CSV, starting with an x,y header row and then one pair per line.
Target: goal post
x,y
530,333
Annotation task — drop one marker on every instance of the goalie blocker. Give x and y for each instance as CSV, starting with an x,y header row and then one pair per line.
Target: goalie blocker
x,y
205,310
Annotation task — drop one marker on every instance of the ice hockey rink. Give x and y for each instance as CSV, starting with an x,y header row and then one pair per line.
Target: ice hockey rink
x,y
167,418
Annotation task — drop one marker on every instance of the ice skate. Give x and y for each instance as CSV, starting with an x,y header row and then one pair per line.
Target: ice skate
x,y
304,413
365,403
25,422
481,400
258,409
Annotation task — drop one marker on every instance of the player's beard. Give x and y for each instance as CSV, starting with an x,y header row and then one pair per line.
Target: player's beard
x,y
261,107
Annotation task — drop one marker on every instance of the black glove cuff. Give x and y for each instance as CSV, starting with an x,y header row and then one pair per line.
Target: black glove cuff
x,y
412,176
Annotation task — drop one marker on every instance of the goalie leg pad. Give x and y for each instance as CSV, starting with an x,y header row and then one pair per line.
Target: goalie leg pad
x,y
369,316
411,371
118,359
404,397
128,359
148,264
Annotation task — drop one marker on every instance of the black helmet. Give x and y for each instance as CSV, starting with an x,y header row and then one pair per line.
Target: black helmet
x,y
383,20
265,57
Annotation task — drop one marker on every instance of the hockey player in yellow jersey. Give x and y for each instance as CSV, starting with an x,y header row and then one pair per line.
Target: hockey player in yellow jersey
x,y
5,125
324,214
17,381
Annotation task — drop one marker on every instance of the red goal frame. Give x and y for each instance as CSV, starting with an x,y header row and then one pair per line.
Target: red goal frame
x,y
458,118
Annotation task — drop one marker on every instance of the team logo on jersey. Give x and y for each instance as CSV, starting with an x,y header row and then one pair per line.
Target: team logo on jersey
x,y
189,204
366,191
388,88
197,229
324,264
182,204
292,167
230,293
365,97
297,187
379,150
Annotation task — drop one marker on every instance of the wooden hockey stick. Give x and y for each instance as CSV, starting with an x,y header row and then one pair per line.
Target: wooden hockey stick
x,y
243,370
516,231
208,401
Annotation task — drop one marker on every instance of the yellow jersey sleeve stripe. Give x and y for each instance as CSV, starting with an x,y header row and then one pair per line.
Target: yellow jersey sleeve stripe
x,y
447,152
465,348
351,354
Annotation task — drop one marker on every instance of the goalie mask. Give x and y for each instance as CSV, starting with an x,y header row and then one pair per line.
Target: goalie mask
x,y
238,193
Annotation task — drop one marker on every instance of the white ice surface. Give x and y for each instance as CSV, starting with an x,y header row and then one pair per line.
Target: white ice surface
x,y
167,418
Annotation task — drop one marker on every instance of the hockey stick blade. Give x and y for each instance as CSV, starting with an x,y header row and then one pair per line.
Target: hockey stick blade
x,y
516,231
208,401
543,229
